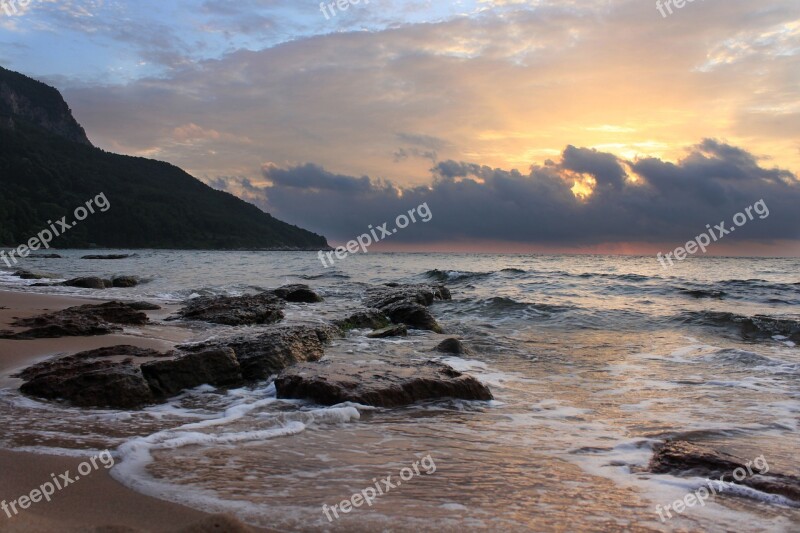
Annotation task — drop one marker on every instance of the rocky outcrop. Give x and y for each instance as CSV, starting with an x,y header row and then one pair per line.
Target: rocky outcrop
x,y
261,308
298,293
408,304
91,282
682,458
381,385
400,330
85,320
214,367
269,352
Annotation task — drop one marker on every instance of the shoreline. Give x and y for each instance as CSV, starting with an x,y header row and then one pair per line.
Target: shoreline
x,y
97,501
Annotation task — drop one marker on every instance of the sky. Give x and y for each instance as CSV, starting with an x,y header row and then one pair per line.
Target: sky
x,y
608,126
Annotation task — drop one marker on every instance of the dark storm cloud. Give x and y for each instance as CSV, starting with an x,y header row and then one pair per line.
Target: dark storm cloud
x,y
655,201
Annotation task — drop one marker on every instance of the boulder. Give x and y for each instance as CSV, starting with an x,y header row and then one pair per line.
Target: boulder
x,y
683,458
144,306
268,352
213,367
248,310
92,383
366,319
412,314
452,346
84,320
26,274
381,385
400,330
297,293
89,283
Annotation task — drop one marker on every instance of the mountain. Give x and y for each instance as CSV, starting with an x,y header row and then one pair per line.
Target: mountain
x,y
48,168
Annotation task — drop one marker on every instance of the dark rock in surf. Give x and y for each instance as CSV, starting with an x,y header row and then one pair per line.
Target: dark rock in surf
x,y
89,283
214,367
408,304
298,293
683,458
452,346
367,319
125,282
248,310
381,385
26,274
108,257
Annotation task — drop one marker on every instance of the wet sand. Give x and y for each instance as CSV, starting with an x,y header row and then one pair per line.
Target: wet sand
x,y
96,501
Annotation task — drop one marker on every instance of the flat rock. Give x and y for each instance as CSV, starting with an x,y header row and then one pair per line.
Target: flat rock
x,y
217,367
264,308
297,293
46,256
27,274
381,385
270,351
400,330
683,458
84,320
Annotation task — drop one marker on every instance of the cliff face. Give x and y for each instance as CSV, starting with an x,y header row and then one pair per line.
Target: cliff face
x,y
24,99
48,167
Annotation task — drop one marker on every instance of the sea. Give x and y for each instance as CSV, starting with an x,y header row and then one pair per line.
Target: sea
x,y
592,360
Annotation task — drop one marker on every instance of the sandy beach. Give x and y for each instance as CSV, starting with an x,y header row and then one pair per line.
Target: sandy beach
x,y
98,501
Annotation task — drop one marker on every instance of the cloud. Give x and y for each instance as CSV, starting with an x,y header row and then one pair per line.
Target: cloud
x,y
645,200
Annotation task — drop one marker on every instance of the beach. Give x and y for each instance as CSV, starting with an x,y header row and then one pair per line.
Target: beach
x,y
98,500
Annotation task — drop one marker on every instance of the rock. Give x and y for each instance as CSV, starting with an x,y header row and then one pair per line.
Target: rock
x,y
269,352
453,346
214,367
108,257
124,282
381,385
413,315
144,306
262,308
92,384
367,319
64,364
298,294
682,458
46,256
85,320
89,283
407,304
391,331
26,274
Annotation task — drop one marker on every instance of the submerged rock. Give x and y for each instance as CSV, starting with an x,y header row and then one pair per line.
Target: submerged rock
x,y
381,385
682,458
297,293
27,274
749,327
173,376
452,346
108,257
248,310
400,330
84,320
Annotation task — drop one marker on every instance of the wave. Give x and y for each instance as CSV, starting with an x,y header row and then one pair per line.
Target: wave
x,y
703,293
454,275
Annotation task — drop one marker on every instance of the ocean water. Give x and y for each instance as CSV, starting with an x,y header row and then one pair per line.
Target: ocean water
x,y
591,359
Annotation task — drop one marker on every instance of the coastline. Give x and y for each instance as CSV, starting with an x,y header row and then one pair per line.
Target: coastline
x,y
98,501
